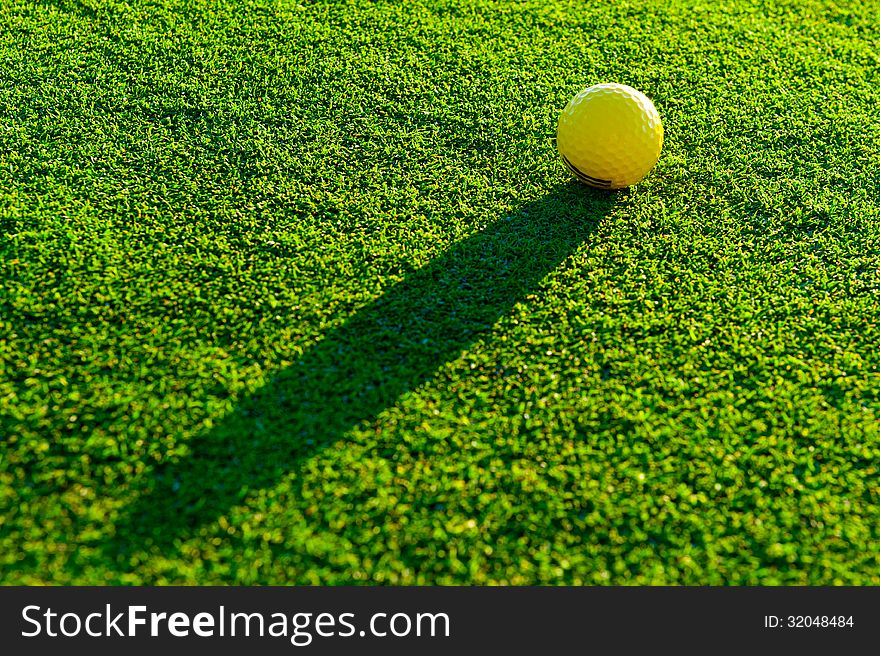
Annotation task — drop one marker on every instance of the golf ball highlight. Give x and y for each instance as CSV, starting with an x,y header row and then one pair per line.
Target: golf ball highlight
x,y
610,136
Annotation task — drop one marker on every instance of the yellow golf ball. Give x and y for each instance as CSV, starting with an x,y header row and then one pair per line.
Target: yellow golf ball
x,y
610,136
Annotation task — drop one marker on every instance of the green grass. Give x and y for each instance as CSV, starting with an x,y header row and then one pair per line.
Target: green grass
x,y
299,292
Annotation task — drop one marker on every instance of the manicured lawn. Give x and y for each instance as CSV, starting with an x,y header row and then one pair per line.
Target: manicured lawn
x,y
300,292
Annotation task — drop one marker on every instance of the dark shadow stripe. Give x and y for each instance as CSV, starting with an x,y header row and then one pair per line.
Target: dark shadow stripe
x,y
362,366
583,177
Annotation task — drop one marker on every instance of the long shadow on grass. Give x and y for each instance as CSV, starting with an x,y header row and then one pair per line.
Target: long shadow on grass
x,y
359,369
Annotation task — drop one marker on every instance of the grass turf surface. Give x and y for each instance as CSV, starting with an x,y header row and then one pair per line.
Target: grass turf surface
x,y
299,292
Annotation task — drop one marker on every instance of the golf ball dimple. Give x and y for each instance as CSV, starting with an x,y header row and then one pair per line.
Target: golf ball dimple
x,y
610,136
